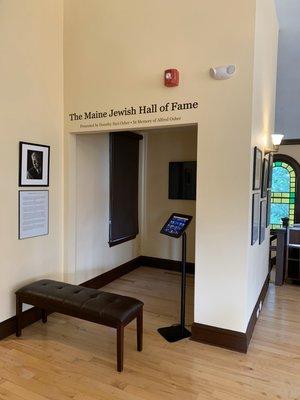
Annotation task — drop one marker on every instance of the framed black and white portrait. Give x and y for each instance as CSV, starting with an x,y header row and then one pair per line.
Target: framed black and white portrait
x,y
268,218
270,170
257,164
263,221
265,176
255,218
34,164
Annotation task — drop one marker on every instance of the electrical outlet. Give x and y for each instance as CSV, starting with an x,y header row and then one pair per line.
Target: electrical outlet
x,y
257,313
260,305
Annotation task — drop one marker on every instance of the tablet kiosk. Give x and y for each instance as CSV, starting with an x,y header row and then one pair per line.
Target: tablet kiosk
x,y
175,227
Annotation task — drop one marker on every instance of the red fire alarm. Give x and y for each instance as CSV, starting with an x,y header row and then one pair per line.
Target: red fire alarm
x,y
171,77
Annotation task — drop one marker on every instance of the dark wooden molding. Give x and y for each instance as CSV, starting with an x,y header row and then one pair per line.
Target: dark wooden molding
x,y
8,327
109,276
163,263
154,262
228,339
253,318
288,159
288,142
225,338
232,340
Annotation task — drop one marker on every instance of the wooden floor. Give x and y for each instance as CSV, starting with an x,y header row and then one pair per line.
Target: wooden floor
x,y
72,359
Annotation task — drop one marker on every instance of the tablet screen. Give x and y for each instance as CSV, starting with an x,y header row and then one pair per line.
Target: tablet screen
x,y
176,225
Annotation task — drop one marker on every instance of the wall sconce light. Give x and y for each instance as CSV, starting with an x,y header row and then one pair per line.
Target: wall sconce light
x,y
276,141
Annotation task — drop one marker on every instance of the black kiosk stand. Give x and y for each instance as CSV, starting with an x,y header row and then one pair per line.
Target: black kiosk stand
x,y
175,227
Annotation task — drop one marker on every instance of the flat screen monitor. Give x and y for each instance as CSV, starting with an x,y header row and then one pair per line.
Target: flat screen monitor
x,y
182,180
176,225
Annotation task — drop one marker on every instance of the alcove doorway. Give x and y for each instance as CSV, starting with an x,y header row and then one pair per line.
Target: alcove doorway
x,y
156,281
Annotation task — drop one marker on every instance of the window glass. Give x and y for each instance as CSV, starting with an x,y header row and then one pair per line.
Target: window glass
x,y
283,194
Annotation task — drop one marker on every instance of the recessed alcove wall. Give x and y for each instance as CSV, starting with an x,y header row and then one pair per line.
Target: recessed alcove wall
x,y
162,146
93,254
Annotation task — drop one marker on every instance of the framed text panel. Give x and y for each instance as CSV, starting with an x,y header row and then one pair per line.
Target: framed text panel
x,y
33,213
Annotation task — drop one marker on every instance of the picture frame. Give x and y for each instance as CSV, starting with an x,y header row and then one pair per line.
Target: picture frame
x,y
268,217
264,179
263,222
257,167
33,213
270,170
255,218
34,164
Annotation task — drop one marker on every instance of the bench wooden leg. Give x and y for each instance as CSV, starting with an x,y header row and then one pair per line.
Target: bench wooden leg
x,y
44,316
120,348
139,330
18,316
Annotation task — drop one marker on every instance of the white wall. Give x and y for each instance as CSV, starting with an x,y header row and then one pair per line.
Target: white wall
x,y
31,109
163,146
115,57
263,121
203,35
99,37
93,254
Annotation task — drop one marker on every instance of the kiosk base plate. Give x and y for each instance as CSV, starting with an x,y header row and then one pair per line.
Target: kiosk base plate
x,y
174,333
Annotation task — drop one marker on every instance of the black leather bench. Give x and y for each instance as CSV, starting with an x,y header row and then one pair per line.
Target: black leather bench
x,y
92,305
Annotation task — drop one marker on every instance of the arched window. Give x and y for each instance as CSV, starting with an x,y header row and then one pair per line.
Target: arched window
x,y
284,190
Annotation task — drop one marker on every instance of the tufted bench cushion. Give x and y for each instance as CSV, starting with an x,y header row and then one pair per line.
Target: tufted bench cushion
x,y
104,308
101,307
